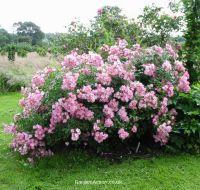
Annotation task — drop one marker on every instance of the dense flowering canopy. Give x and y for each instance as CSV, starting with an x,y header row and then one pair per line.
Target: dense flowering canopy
x,y
119,92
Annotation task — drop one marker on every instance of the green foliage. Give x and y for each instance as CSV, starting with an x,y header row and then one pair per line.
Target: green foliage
x,y
6,84
106,28
111,24
22,39
22,52
158,27
153,26
29,30
27,36
192,35
11,49
41,51
187,132
25,124
5,37
87,79
2,51
52,89
21,49
25,46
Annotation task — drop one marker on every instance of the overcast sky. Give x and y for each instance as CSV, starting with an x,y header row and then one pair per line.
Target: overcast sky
x,y
53,15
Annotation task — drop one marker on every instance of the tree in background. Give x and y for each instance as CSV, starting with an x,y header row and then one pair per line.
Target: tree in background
x,y
192,36
29,30
109,25
5,37
157,26
153,26
27,38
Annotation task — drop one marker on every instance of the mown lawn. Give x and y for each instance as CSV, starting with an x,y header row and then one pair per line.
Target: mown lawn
x,y
175,172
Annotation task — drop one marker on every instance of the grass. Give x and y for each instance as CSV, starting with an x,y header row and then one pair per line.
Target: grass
x,y
167,172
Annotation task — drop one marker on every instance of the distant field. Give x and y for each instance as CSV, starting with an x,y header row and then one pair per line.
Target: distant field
x,y
23,68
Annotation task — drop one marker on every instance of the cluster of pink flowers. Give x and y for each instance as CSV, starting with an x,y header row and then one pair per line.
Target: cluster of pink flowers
x,y
133,104
103,94
163,107
118,69
99,93
169,89
38,80
158,50
113,104
184,84
95,59
87,93
115,94
167,66
123,134
171,51
32,102
125,94
73,59
134,129
150,69
139,88
25,143
67,108
150,100
108,112
104,78
100,136
162,134
70,60
69,81
10,129
100,11
179,66
123,114
108,122
75,134
39,131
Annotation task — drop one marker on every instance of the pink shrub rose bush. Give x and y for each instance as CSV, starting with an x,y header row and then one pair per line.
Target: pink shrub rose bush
x,y
121,93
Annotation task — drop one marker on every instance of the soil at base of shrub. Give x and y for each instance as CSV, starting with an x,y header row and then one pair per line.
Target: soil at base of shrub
x,y
139,150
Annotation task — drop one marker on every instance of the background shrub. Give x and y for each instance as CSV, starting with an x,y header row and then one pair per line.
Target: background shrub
x,y
41,51
22,52
11,49
9,85
186,135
